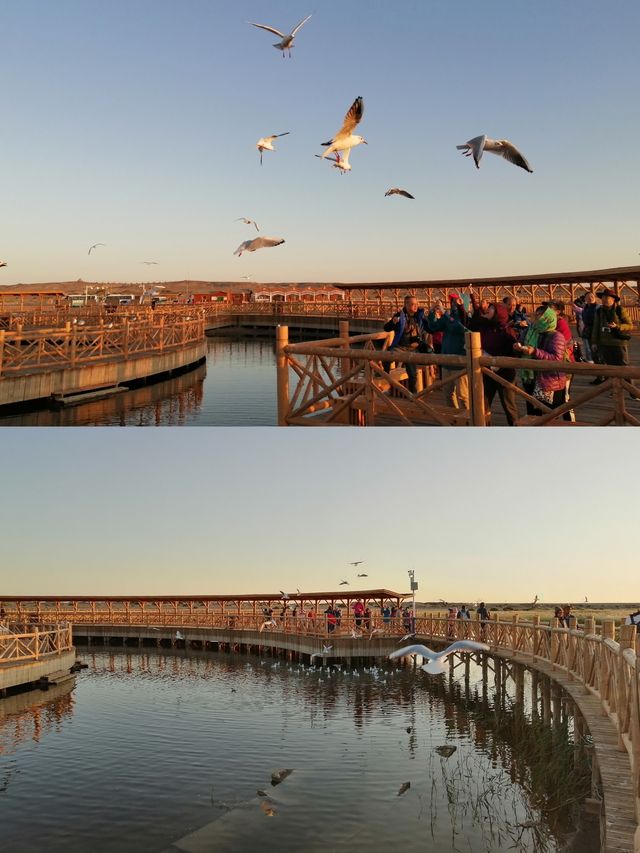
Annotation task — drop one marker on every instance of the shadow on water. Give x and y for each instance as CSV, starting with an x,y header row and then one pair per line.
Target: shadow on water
x,y
159,752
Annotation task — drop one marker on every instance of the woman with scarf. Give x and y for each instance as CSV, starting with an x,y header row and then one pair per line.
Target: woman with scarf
x,y
544,342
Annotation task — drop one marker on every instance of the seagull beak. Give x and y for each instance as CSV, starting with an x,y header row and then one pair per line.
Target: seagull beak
x,y
365,142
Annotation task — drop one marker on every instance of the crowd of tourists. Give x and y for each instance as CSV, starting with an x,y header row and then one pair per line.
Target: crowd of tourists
x,y
601,336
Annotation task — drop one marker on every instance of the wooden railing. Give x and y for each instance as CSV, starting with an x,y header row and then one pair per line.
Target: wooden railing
x,y
77,345
23,643
351,380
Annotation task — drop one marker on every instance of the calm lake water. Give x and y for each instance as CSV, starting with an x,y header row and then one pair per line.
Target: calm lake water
x,y
236,387
153,752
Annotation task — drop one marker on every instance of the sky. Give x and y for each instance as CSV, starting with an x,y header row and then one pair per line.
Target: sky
x,y
134,125
501,515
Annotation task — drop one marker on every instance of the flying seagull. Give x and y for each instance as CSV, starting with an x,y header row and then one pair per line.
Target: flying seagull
x,y
396,191
363,575
265,143
149,263
344,583
247,221
258,243
284,594
179,636
3,263
246,277
95,245
338,162
287,39
437,659
270,623
502,147
345,139
356,563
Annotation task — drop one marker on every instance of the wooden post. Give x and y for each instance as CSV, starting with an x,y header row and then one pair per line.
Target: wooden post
x,y
2,334
125,338
282,373
476,385
343,332
535,621
589,625
161,335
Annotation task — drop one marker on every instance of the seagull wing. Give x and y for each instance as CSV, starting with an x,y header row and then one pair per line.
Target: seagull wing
x,y
352,118
418,649
509,151
474,146
276,135
264,243
253,222
269,29
464,645
405,194
243,247
299,26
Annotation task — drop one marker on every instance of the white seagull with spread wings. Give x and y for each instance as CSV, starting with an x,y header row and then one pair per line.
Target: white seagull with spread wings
x,y
502,147
345,139
95,246
437,659
258,243
265,143
287,38
247,221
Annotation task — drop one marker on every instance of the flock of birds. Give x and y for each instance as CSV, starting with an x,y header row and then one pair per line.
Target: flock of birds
x,y
339,147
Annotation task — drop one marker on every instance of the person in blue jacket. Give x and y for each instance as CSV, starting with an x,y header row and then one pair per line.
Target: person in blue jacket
x,y
409,327
453,326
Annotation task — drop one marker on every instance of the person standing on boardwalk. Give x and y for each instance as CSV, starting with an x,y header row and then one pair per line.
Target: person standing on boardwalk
x,y
497,339
409,327
517,316
587,316
610,331
483,615
452,324
358,612
543,342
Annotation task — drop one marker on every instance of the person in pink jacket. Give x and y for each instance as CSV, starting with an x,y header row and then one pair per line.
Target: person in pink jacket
x,y
544,342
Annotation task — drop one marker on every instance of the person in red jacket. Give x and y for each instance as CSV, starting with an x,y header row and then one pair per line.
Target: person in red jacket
x,y
497,338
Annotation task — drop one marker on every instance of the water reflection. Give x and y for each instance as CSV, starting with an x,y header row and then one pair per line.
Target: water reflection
x,y
236,387
169,751
30,715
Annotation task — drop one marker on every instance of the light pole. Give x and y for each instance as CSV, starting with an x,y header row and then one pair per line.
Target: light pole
x,y
414,587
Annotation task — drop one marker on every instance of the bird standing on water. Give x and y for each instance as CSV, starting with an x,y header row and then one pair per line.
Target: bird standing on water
x,y
502,147
286,42
345,139
265,143
437,659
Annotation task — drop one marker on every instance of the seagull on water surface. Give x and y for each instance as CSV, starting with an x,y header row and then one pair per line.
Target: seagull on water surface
x,y
247,221
502,147
258,243
95,246
398,191
265,143
287,38
179,636
437,659
345,139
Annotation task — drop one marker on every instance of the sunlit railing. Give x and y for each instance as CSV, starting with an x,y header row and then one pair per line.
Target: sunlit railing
x,y
75,345
21,643
353,380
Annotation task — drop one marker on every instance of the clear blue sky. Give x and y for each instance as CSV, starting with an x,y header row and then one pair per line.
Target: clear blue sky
x,y
134,124
495,514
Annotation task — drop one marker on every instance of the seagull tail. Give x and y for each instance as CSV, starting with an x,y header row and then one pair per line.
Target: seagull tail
x,y
434,667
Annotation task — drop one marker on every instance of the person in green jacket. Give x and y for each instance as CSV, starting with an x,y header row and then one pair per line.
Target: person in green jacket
x,y
610,331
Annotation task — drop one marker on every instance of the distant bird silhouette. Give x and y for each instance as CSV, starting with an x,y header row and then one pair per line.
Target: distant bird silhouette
x,y
270,623
95,246
344,583
437,659
356,563
396,191
149,263
363,575
3,263
287,38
